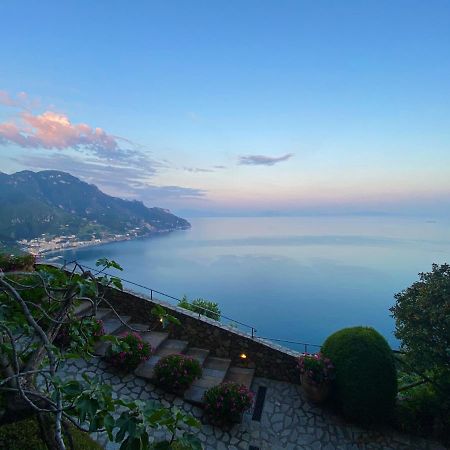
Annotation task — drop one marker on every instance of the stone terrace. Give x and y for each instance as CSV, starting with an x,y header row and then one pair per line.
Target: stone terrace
x,y
287,422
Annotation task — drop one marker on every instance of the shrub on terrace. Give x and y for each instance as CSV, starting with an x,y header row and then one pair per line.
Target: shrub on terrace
x,y
128,351
366,379
225,403
176,373
201,306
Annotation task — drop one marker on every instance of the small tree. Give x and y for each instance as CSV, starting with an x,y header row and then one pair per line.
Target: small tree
x,y
422,315
201,306
33,308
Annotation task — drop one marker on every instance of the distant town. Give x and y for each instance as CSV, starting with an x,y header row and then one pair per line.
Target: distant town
x,y
48,244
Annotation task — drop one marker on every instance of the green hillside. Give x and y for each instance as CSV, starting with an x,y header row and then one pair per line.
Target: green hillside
x,y
57,203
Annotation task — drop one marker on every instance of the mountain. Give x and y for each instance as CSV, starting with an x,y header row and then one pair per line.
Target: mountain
x,y
56,203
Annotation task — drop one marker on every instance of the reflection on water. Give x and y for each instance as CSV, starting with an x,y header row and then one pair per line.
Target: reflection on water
x,y
291,278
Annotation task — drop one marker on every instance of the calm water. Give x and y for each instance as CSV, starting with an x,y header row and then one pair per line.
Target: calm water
x,y
292,278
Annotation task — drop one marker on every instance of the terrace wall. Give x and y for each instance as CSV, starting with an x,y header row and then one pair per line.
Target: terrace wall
x,y
269,360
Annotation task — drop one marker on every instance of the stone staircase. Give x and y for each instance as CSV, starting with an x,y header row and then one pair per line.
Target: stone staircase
x,y
215,370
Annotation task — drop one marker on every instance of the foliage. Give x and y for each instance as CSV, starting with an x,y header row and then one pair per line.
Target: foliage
x,y
80,333
33,308
95,406
422,316
25,435
11,263
201,306
164,317
176,372
423,408
128,351
225,403
366,379
317,368
423,411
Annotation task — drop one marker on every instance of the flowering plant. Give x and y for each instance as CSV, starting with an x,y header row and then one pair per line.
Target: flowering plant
x,y
128,351
317,368
80,334
176,372
225,403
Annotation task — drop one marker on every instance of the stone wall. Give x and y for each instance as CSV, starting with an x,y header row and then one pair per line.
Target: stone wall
x,y
269,360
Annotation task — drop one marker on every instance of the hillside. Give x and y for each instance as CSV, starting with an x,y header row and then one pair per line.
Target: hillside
x,y
57,203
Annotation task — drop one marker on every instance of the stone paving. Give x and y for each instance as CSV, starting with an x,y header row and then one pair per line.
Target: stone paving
x,y
288,421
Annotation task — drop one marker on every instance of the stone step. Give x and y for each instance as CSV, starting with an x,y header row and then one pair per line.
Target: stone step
x,y
214,372
240,375
111,326
154,338
168,347
200,354
171,347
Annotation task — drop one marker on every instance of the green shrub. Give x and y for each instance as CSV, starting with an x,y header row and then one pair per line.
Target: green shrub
x,y
9,263
25,435
423,410
176,372
202,307
366,379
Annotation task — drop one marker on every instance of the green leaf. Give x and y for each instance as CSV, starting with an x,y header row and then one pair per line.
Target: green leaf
x,y
109,424
190,441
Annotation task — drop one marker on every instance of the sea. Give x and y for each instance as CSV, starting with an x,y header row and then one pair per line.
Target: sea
x,y
294,279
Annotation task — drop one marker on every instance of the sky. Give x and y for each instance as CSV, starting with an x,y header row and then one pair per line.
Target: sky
x,y
234,107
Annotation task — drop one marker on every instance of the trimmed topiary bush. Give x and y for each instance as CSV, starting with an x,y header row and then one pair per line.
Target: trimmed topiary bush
x,y
366,378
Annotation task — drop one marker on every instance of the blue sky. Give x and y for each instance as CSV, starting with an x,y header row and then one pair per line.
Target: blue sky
x,y
234,106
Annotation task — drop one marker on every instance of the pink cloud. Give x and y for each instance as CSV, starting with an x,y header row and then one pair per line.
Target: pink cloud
x,y
21,100
6,99
52,130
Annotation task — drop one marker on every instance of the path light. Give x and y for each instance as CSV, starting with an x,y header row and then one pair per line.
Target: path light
x,y
161,320
243,356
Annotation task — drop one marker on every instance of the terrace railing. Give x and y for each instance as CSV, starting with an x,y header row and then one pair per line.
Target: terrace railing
x,y
249,329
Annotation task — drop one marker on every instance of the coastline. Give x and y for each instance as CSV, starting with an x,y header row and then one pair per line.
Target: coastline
x,y
100,242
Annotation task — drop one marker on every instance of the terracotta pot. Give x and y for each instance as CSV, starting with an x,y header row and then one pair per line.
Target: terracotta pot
x,y
314,393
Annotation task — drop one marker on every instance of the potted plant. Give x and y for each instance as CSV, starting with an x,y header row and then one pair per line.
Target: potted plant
x,y
226,403
128,351
176,373
316,374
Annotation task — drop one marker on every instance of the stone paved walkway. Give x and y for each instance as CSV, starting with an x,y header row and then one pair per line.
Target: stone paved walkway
x,y
288,421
